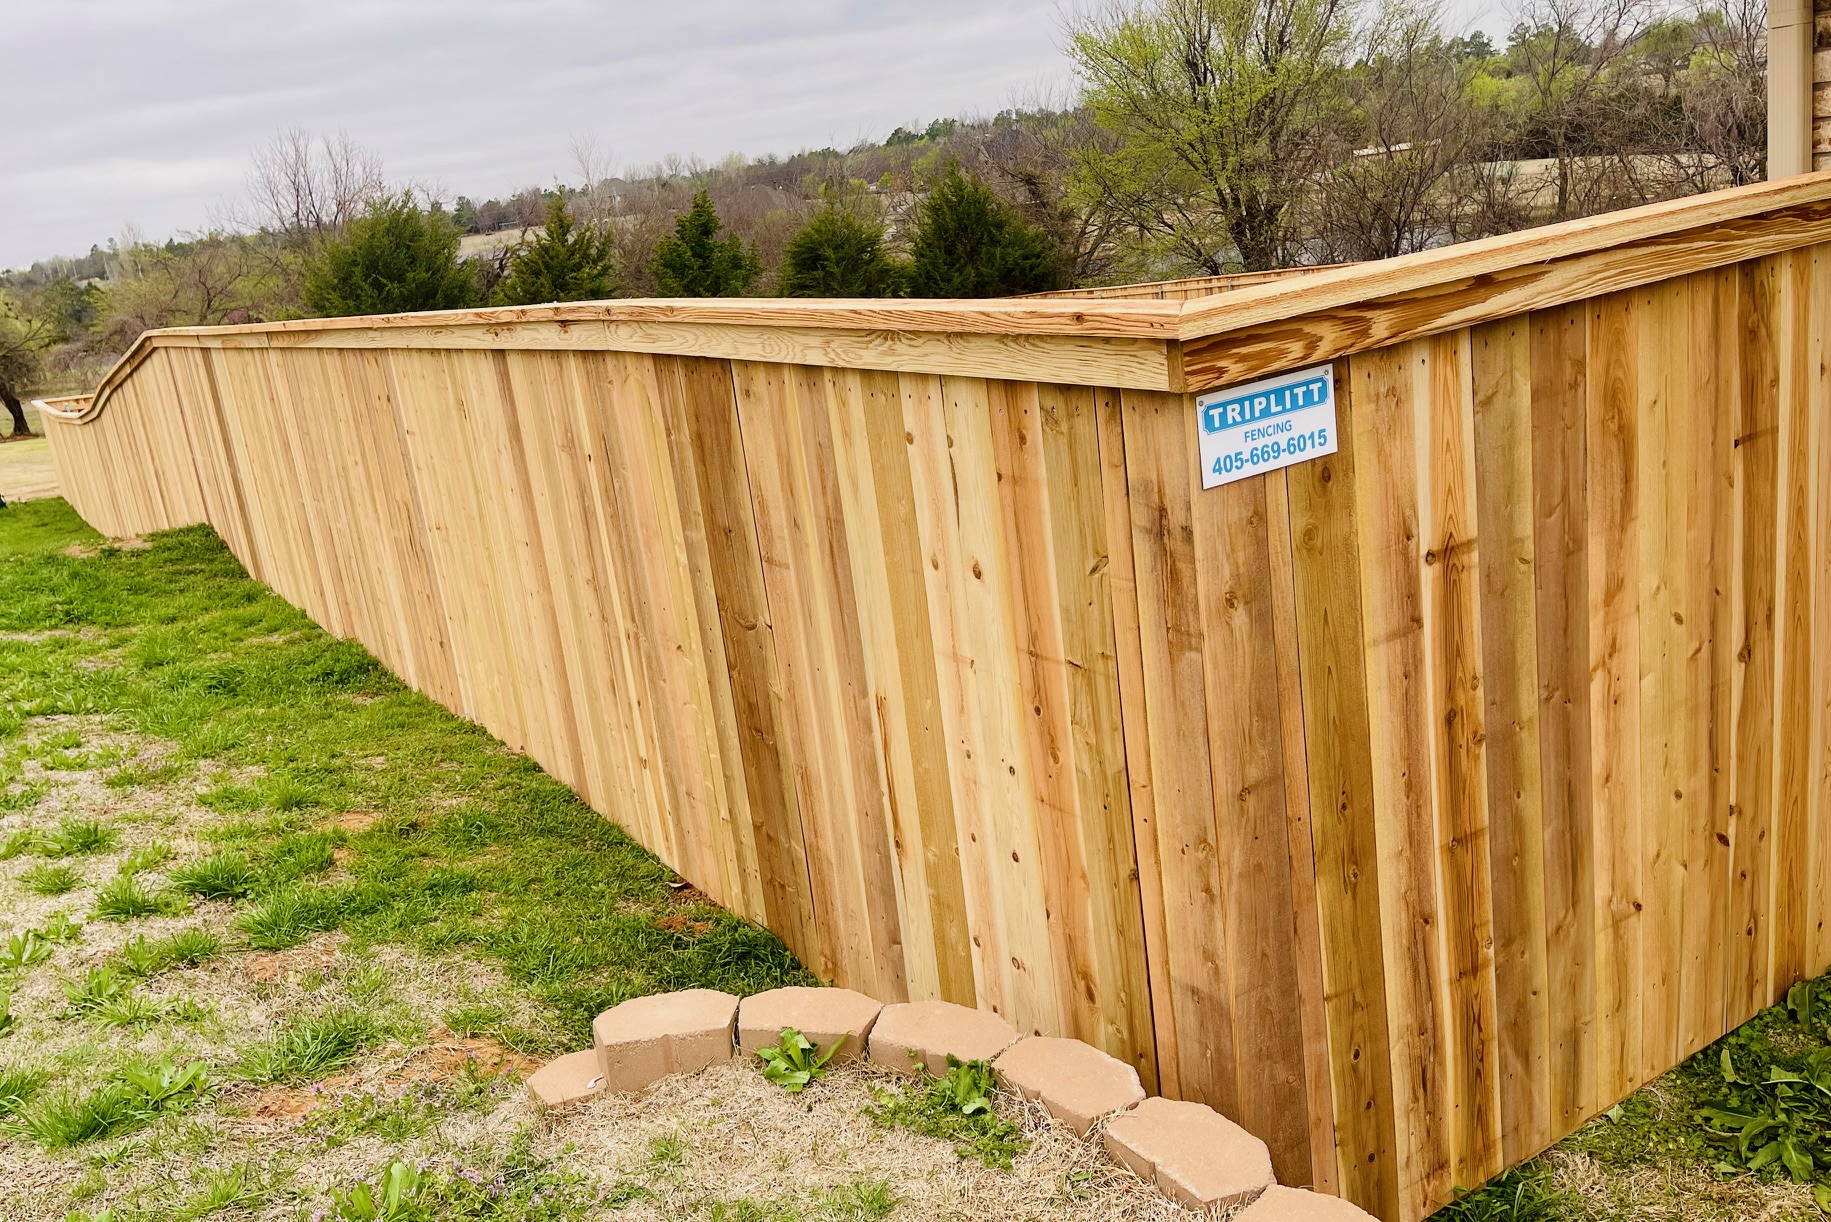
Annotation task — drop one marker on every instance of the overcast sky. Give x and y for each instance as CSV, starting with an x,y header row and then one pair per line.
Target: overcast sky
x,y
145,112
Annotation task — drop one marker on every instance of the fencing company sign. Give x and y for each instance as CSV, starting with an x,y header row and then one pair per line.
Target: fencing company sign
x,y
1266,425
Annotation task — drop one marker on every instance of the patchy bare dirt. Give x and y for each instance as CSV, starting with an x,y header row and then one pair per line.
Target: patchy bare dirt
x,y
419,1091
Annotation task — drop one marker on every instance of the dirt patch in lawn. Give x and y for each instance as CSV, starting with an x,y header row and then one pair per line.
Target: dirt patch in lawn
x,y
326,1060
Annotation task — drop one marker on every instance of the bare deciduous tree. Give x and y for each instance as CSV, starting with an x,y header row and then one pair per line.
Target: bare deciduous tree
x,y
1417,126
1567,53
304,187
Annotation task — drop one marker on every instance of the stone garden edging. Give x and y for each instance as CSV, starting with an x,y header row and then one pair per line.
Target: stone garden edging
x,y
1189,1151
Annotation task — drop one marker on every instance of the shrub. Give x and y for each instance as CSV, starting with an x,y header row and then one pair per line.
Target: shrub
x,y
563,262
969,243
696,262
839,253
393,259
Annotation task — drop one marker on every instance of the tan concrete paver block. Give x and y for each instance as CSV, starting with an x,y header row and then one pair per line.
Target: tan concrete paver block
x,y
825,1016
1077,1082
645,1039
1196,1156
566,1080
1281,1204
933,1029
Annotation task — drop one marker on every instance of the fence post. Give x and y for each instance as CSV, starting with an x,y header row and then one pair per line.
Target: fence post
x,y
1789,88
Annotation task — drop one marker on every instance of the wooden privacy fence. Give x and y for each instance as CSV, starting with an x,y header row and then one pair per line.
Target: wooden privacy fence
x,y
1410,805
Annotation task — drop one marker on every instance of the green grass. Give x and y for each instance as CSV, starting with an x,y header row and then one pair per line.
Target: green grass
x,y
956,1108
475,850
146,857
17,1086
309,1047
224,875
145,956
100,986
239,1188
47,879
363,1114
75,837
136,1096
290,916
126,898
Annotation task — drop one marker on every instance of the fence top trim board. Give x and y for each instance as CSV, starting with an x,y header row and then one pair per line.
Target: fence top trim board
x,y
1191,345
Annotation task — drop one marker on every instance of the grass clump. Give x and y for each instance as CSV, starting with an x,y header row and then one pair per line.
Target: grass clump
x,y
364,1114
126,898
18,1084
146,857
134,1097
956,1108
293,914
477,1018
154,956
309,1047
224,875
19,843
76,837
47,879
298,855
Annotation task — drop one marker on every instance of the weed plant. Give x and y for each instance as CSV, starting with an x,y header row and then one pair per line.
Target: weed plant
x,y
794,1061
146,857
23,950
136,1096
956,1108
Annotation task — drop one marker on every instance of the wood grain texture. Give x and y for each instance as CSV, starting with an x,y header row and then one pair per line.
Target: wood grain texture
x,y
1410,805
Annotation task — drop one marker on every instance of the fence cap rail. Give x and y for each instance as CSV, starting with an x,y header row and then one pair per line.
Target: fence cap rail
x,y
1312,316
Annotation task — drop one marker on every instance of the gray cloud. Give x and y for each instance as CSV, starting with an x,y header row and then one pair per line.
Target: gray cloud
x,y
146,112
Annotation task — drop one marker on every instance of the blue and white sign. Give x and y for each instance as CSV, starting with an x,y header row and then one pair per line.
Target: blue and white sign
x,y
1265,425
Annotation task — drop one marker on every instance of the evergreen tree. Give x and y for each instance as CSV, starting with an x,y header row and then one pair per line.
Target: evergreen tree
x,y
696,262
392,259
564,262
969,243
839,254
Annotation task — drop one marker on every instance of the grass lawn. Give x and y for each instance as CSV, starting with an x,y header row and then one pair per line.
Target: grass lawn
x,y
278,938
26,469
